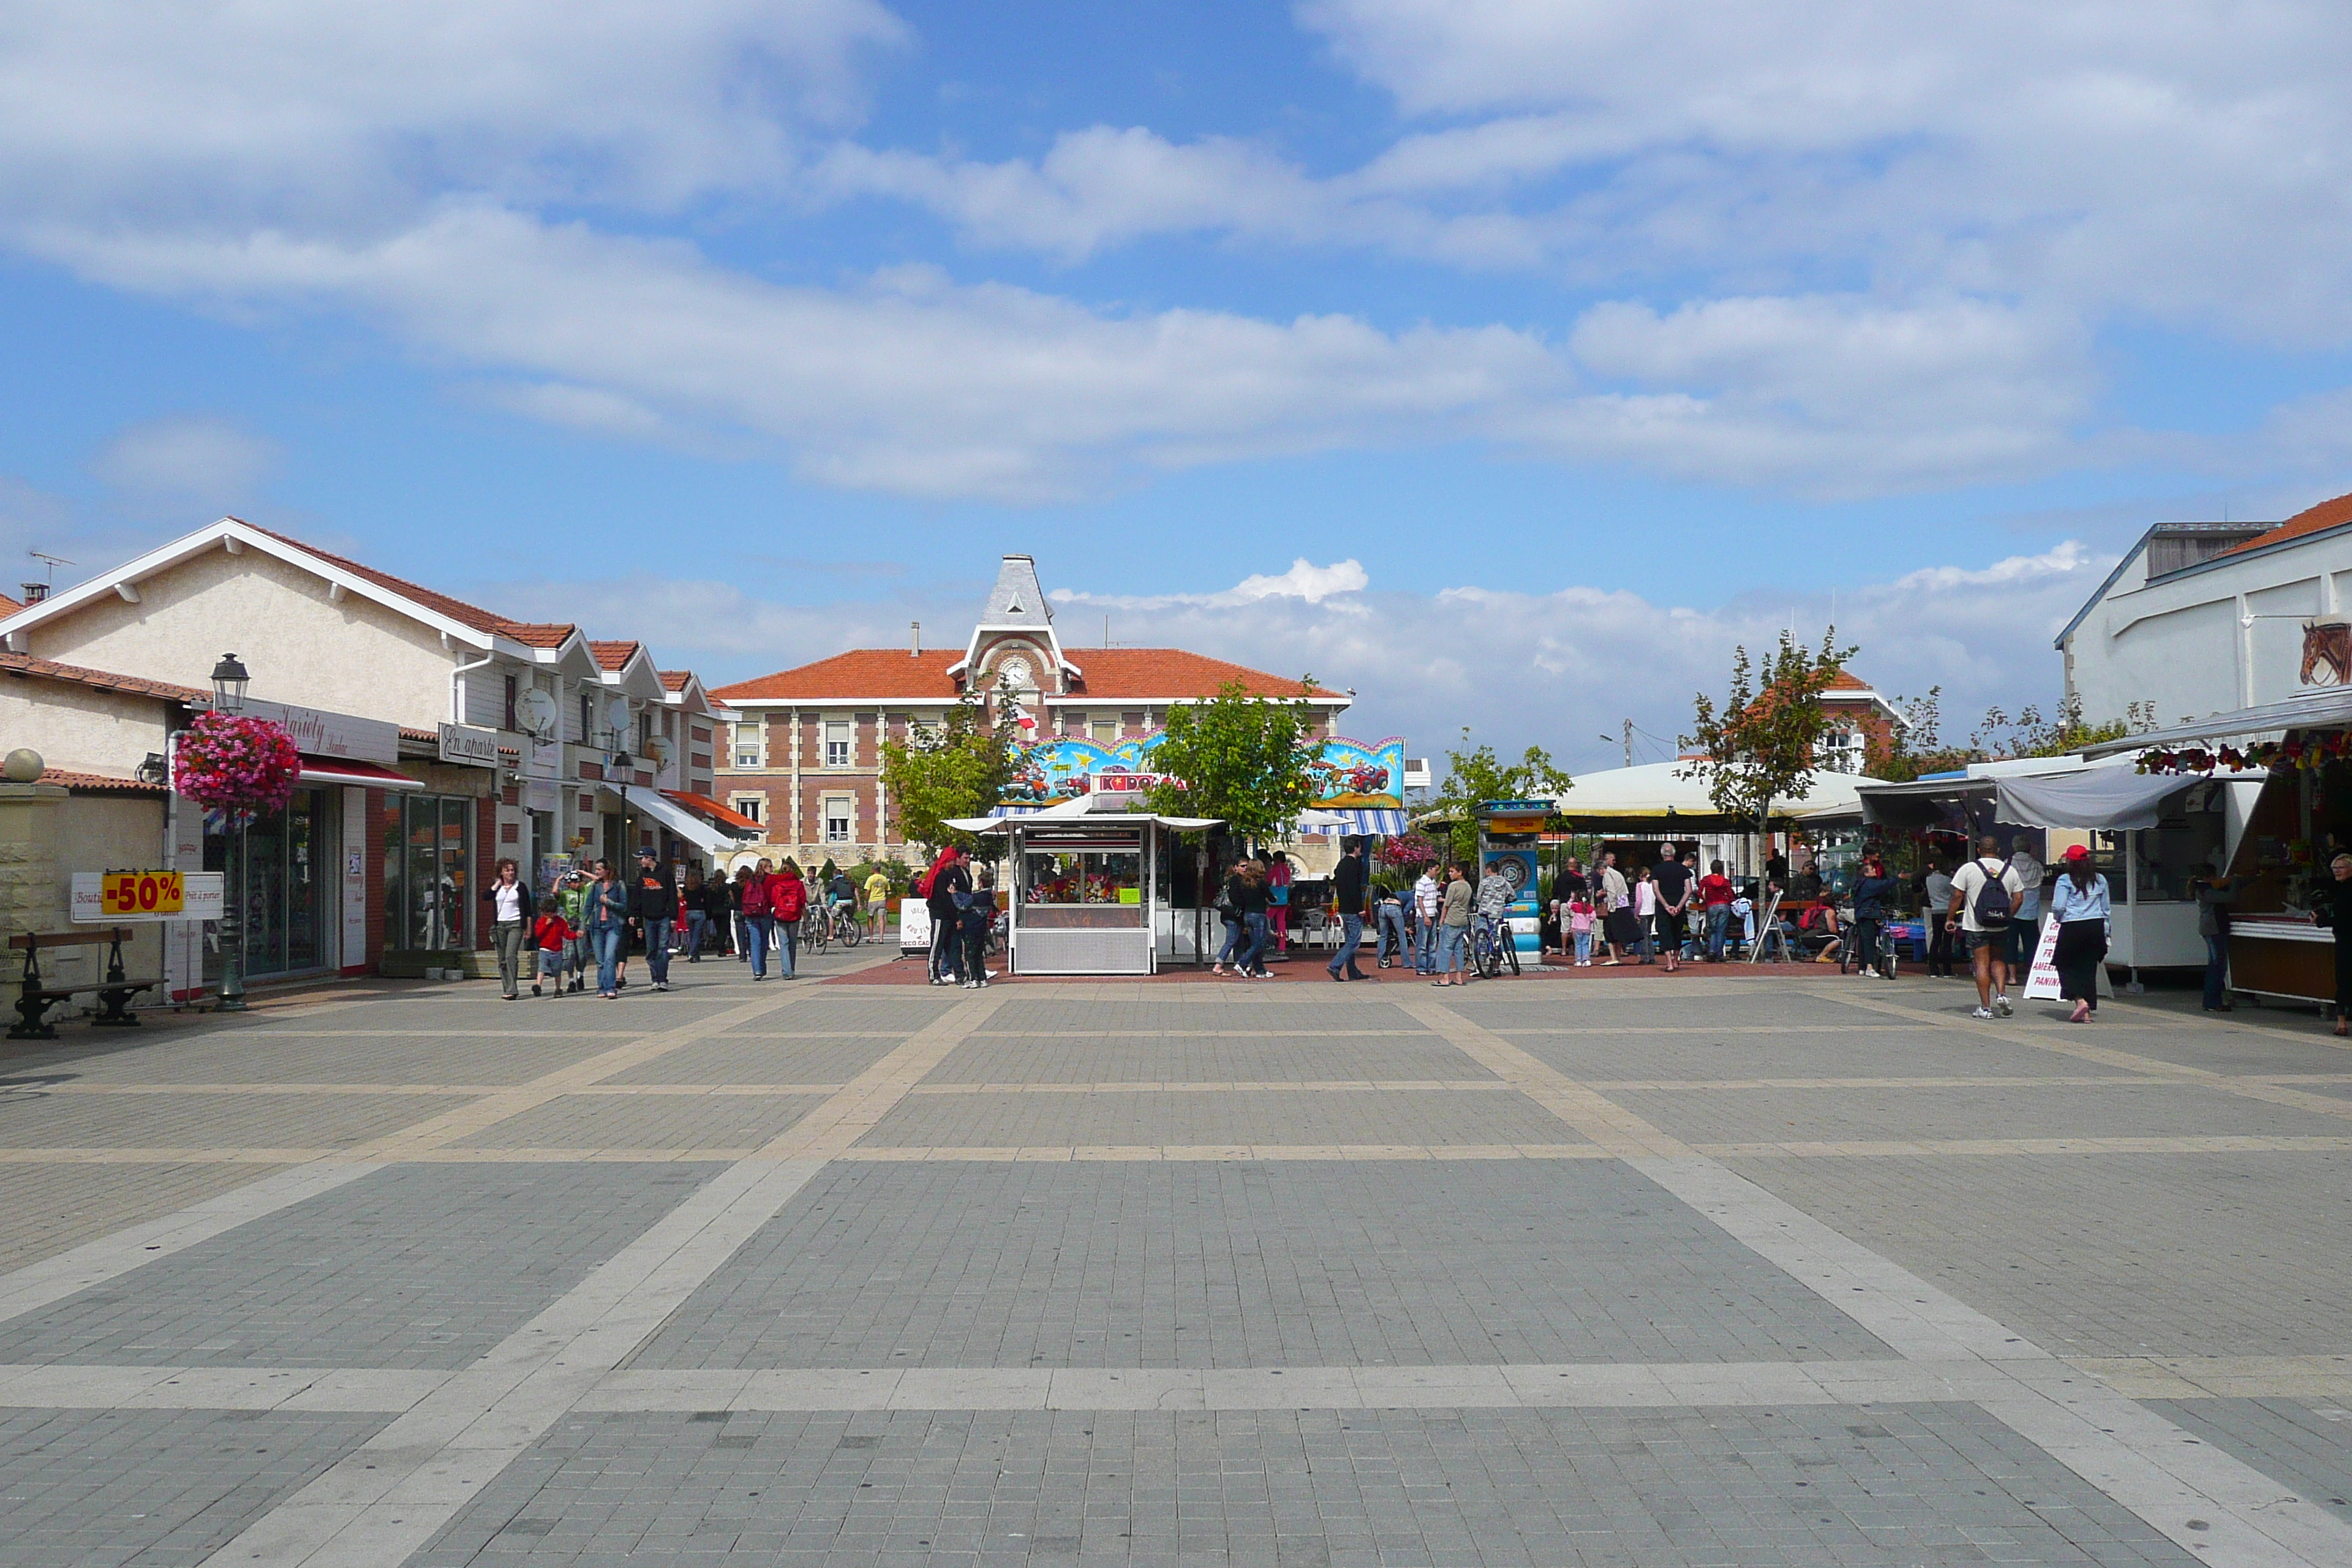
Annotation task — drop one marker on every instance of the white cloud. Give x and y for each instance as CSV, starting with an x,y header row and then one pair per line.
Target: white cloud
x,y
1304,581
186,458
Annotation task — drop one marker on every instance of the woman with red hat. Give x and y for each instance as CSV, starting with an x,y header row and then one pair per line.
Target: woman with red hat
x,y
2083,913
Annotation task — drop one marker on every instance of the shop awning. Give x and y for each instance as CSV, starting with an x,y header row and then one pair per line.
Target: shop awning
x,y
1670,798
344,771
1105,808
683,822
1381,821
2110,799
725,817
2327,708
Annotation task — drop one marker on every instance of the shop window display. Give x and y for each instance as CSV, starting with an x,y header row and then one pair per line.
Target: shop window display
x,y
426,872
1082,888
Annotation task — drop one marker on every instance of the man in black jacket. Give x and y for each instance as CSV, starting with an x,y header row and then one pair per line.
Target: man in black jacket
x,y
1348,893
653,909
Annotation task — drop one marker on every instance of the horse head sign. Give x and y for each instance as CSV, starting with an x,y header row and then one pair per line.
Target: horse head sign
x,y
2327,653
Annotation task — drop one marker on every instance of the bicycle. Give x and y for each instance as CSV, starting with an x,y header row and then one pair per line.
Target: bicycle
x,y
816,929
847,929
1492,945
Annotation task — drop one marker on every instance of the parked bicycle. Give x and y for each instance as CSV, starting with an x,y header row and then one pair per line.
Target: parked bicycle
x,y
1492,945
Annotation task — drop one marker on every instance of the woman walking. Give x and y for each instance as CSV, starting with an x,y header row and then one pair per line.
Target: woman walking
x,y
607,908
787,902
751,884
1246,888
1278,902
1230,914
510,907
1874,895
946,879
1645,916
744,875
2082,908
1452,925
698,919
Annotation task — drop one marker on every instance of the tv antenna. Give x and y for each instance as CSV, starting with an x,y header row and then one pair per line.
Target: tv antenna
x,y
52,562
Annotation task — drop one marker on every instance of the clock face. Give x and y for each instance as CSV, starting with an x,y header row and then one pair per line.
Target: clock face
x,y
1016,671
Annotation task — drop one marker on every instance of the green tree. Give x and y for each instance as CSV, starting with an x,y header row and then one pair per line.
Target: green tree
x,y
1242,758
1757,750
1915,748
1476,774
960,769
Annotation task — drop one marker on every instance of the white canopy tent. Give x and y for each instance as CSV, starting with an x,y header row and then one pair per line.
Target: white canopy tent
x,y
1660,797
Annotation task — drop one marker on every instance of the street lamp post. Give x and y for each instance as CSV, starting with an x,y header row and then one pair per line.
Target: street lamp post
x,y
622,764
229,681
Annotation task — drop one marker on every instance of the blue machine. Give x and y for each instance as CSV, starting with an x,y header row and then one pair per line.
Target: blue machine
x,y
1510,840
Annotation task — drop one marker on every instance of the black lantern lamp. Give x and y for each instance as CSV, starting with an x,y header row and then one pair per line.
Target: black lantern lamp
x,y
229,681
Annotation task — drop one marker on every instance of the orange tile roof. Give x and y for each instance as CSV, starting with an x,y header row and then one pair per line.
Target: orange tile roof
x,y
1842,681
98,783
674,680
532,633
23,664
2333,512
725,815
613,655
1111,673
9,606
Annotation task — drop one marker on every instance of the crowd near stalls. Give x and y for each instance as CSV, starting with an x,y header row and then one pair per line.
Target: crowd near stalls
x,y
436,739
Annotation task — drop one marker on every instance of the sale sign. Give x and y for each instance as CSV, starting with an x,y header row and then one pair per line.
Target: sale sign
x,y
105,897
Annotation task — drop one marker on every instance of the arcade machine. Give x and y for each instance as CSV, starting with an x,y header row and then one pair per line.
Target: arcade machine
x,y
1510,835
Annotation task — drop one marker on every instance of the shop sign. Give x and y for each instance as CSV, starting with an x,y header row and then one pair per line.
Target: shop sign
x,y
117,898
469,747
319,733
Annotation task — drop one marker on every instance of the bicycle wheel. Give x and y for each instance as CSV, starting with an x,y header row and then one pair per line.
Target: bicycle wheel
x,y
1509,943
816,933
850,933
1490,960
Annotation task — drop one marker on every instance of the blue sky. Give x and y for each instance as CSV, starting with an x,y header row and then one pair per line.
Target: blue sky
x,y
1506,361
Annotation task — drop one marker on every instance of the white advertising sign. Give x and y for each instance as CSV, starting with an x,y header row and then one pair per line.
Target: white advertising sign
x,y
914,926
145,897
2043,984
319,733
473,748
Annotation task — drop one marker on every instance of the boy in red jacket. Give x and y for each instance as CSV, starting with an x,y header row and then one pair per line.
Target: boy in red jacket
x,y
550,932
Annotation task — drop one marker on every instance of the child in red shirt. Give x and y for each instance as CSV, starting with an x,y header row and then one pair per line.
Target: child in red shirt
x,y
550,931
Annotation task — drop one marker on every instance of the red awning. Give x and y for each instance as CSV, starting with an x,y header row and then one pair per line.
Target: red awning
x,y
726,816
344,771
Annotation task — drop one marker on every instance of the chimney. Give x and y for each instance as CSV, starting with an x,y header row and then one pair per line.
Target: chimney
x,y
36,592
914,635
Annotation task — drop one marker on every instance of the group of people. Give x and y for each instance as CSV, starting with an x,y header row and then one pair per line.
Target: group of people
x,y
1425,921
961,902
1669,912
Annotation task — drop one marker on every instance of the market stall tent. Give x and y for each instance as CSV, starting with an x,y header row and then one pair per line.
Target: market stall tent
x,y
1669,796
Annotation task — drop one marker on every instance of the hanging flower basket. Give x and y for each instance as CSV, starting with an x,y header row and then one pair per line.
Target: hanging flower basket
x,y
244,767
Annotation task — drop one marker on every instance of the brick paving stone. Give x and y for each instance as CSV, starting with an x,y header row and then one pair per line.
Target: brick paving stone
x,y
1244,1264
157,1488
2303,1445
992,1057
2193,1255
1399,1117
413,1266
455,1051
846,1011
50,1207
2126,1109
1849,1051
660,1122
1903,1485
770,1058
1252,1012
1504,1006
256,1121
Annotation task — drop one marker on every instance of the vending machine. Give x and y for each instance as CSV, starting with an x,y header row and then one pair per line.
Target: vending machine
x,y
1511,839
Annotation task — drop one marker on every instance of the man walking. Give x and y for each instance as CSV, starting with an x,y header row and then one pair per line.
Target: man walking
x,y
1673,879
1985,894
653,909
1427,892
1938,886
1348,894
1715,896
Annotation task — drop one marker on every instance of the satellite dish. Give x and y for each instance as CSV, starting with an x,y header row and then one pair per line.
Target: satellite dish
x,y
535,711
661,750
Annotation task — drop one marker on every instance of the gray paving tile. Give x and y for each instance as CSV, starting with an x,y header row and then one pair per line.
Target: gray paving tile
x,y
651,1122
156,1487
1179,1058
765,1058
1216,1118
2304,1445
417,1266
1910,1484
2199,1255
1243,1264
258,1119
2127,1109
847,1010
1865,1051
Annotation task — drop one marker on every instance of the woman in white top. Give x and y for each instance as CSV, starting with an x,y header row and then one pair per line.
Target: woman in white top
x,y
508,899
2079,899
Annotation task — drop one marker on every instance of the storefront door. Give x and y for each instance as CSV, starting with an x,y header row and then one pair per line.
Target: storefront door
x,y
427,885
281,902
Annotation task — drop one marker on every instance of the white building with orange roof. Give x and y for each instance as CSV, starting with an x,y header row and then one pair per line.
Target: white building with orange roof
x,y
805,753
2200,618
438,737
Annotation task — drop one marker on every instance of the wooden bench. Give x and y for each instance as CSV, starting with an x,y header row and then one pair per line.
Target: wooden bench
x,y
115,992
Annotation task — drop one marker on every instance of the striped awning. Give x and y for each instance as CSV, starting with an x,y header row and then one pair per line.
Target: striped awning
x,y
1381,821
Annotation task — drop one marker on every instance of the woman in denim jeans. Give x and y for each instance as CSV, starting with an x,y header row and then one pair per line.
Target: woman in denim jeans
x,y
607,908
1454,926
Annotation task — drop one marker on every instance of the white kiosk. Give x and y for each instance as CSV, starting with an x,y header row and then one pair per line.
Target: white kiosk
x,y
1086,889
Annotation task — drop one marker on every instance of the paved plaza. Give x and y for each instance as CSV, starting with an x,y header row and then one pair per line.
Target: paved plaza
x,y
1761,1270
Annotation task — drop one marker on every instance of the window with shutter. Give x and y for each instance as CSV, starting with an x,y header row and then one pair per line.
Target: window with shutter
x,y
836,742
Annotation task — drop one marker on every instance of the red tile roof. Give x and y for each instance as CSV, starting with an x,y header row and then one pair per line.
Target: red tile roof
x,y
9,606
98,783
725,815
674,680
532,633
613,655
25,666
2331,513
1111,673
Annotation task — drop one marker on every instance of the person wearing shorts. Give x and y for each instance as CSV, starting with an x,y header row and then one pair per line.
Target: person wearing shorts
x,y
1988,948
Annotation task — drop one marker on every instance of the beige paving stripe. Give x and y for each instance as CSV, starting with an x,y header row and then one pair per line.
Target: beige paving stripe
x,y
2224,1377
2076,1045
1607,1124
492,1108
1262,1036
380,1504
2216,1144
1052,1153
1210,1086
2199,1497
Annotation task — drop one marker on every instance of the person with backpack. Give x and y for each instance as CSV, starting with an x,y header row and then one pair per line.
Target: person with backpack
x,y
1985,894
788,900
759,922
